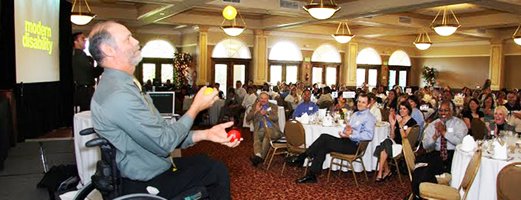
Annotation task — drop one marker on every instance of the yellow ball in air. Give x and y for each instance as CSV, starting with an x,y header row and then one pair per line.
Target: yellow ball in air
x,y
229,12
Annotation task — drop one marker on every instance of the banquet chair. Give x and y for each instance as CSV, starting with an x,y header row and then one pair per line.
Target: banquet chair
x,y
508,181
296,140
410,158
277,147
385,114
479,129
350,158
437,191
107,178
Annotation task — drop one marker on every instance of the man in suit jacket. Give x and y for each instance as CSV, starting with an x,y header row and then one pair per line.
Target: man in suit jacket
x,y
262,109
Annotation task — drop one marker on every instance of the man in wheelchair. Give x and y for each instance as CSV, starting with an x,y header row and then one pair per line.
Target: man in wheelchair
x,y
126,117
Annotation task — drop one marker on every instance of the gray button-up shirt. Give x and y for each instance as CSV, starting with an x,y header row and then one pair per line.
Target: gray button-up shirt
x,y
456,130
144,140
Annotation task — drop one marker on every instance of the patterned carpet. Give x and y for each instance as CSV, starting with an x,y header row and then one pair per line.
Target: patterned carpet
x,y
248,182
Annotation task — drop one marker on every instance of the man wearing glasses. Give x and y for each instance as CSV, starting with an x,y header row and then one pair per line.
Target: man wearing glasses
x,y
442,135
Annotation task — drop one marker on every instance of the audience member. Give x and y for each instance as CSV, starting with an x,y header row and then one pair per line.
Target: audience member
x,y
502,122
220,93
325,99
488,108
231,108
472,111
360,128
306,106
293,98
373,108
83,73
391,100
261,143
240,91
401,125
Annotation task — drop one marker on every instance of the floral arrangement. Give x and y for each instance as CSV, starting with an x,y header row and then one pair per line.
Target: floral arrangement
x,y
429,75
182,61
459,99
428,99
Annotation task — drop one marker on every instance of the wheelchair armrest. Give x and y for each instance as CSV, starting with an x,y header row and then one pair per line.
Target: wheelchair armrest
x,y
97,142
87,131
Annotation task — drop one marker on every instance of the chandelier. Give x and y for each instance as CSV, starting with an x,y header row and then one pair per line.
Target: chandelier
x,y
81,18
321,10
517,36
346,34
233,28
423,41
445,26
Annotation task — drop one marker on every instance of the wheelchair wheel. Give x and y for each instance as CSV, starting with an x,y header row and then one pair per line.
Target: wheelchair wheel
x,y
84,192
140,197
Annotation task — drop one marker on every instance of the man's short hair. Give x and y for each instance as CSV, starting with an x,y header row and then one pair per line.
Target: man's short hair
x,y
365,96
238,82
99,36
75,37
449,103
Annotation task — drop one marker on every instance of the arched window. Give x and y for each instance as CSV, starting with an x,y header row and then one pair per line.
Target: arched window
x,y
157,61
368,67
285,57
399,64
368,56
231,48
158,49
399,58
325,53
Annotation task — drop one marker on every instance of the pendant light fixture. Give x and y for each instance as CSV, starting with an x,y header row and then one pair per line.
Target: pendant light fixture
x,y
423,41
322,10
346,34
447,24
233,29
81,18
517,36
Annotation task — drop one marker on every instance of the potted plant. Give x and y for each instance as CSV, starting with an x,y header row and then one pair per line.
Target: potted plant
x,y
429,75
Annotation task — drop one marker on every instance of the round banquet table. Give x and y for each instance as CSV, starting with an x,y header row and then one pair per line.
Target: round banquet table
x,y
484,185
382,131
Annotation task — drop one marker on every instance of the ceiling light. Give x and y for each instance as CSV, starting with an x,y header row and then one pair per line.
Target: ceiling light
x,y
321,10
517,36
423,41
446,25
81,18
234,29
346,34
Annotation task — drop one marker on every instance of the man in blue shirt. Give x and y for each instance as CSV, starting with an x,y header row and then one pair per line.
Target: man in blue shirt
x,y
125,116
360,128
306,106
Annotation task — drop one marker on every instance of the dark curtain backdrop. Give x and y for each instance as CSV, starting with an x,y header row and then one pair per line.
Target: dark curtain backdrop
x,y
40,107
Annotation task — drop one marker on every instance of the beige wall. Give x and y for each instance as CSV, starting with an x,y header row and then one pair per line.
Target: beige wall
x,y
512,71
457,71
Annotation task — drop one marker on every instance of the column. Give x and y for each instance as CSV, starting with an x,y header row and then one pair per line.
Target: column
x,y
497,65
203,71
350,58
260,57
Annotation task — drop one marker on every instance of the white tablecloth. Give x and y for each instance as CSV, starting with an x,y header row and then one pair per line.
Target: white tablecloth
x,y
86,157
282,119
484,185
215,110
381,132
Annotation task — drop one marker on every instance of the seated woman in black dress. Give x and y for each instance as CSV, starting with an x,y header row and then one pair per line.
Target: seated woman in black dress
x,y
472,111
400,127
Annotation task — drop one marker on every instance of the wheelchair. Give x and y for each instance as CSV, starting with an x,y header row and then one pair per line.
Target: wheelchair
x,y
108,181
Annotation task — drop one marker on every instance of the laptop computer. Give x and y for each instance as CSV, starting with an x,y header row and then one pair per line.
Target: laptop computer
x,y
164,102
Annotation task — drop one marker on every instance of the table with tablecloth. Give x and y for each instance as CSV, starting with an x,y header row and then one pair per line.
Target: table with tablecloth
x,y
86,157
280,112
484,185
213,111
382,131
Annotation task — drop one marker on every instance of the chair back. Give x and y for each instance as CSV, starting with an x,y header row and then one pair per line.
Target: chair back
x,y
508,181
295,135
470,172
479,129
413,135
409,156
361,148
385,114
422,135
267,130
